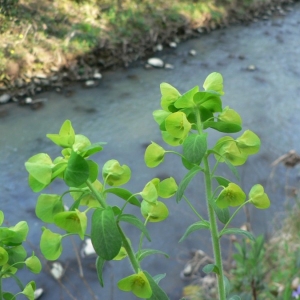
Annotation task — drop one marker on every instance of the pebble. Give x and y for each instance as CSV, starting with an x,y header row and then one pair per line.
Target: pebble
x,y
169,66
155,62
38,293
192,52
4,98
172,45
158,47
28,100
87,248
57,270
251,68
97,75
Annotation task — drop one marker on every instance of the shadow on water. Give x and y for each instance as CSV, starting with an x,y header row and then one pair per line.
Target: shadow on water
x,y
119,113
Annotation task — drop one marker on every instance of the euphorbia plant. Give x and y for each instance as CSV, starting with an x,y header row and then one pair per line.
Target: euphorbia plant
x,y
183,121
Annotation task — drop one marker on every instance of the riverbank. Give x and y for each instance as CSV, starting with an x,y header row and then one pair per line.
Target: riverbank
x,y
45,45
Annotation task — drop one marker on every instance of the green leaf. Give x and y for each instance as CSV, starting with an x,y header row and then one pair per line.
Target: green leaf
x,y
233,169
247,234
50,244
93,170
154,212
105,234
177,125
35,185
16,254
222,126
157,292
157,278
169,95
29,290
33,264
77,171
229,115
1,217
8,296
232,195
211,268
14,235
167,188
72,221
91,149
39,167
48,206
115,174
99,267
3,256
185,182
160,117
222,181
66,136
196,226
186,100
125,195
149,193
135,222
154,155
222,214
214,82
248,142
258,197
209,101
194,147
170,140
80,143
146,252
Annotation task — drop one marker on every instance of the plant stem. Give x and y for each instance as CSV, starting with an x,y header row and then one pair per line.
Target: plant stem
x,y
193,208
0,288
135,264
214,230
98,195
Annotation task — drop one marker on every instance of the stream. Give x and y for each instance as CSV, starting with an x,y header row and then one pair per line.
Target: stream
x,y
260,64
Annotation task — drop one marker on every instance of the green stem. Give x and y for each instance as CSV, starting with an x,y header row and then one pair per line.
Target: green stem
x,y
233,215
192,207
135,264
98,195
214,231
0,288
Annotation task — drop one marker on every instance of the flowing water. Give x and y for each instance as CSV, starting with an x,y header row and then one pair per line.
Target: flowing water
x,y
119,112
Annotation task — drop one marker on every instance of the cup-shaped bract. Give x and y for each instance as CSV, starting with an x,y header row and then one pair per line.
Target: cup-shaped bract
x,y
3,256
229,115
15,235
168,95
232,195
80,143
66,136
114,174
1,217
227,149
72,221
214,82
154,155
28,290
121,255
33,264
156,212
248,142
50,244
149,193
177,125
171,140
138,284
258,197
167,188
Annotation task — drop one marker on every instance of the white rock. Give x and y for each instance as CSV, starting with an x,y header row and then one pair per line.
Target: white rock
x,y
38,293
87,248
97,75
159,47
89,83
192,52
57,270
155,62
169,66
173,45
41,76
251,68
4,98
28,100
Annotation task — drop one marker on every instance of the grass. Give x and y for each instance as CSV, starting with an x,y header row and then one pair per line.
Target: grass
x,y
39,35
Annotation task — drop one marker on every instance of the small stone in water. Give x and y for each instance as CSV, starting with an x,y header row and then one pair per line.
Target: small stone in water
x,y
251,68
38,293
169,66
192,52
57,270
173,45
4,98
159,47
155,62
28,100
97,75
89,83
